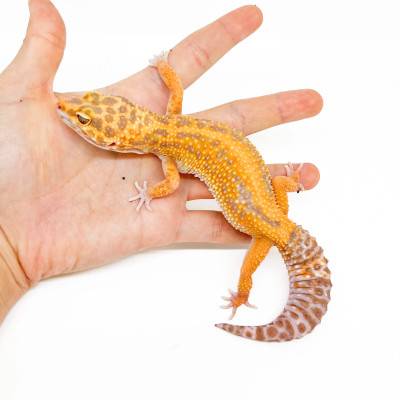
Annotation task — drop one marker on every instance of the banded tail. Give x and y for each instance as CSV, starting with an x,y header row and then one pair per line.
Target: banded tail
x,y
309,293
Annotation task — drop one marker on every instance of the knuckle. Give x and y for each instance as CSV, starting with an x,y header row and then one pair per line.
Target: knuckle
x,y
51,38
217,228
227,32
200,55
239,119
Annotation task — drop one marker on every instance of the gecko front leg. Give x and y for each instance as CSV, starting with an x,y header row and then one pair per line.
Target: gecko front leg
x,y
160,189
171,81
171,172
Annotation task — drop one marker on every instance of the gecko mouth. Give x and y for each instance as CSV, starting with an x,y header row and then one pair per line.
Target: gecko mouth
x,y
67,121
76,128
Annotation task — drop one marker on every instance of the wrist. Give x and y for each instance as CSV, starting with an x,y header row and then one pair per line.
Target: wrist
x,y
13,281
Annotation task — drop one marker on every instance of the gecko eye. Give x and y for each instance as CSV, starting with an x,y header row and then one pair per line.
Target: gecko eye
x,y
83,118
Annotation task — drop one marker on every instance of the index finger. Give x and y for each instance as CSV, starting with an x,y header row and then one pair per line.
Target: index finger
x,y
203,48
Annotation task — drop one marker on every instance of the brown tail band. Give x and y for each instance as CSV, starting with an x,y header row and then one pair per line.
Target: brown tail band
x,y
309,293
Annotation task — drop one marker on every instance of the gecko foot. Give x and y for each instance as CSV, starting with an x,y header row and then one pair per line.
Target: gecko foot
x,y
295,174
163,56
235,300
142,196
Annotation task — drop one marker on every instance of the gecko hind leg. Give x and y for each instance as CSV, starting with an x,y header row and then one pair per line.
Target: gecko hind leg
x,y
257,251
260,246
171,81
294,174
284,184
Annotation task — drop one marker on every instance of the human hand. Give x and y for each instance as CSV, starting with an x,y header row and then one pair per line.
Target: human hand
x,y
63,202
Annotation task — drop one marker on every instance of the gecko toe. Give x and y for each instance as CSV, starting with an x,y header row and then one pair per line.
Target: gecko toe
x,y
163,56
235,300
234,309
142,196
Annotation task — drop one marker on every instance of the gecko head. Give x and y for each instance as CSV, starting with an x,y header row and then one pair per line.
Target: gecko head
x,y
99,119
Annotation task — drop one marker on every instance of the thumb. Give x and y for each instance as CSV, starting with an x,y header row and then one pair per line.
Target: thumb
x,y
38,59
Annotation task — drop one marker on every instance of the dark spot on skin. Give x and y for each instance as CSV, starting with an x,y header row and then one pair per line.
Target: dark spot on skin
x,y
294,315
110,110
189,135
109,101
272,331
109,118
260,333
132,117
108,131
123,109
301,327
317,312
289,328
96,109
122,122
21,100
123,178
97,123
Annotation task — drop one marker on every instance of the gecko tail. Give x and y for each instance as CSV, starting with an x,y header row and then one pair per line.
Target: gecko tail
x,y
309,293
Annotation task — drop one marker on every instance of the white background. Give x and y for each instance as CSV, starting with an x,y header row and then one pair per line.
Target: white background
x,y
143,328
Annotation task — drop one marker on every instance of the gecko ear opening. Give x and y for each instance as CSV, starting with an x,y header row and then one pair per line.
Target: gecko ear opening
x,y
83,118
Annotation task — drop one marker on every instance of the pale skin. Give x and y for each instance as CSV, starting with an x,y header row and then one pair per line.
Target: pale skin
x,y
63,202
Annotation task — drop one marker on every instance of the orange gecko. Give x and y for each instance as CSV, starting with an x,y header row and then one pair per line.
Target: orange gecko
x,y
235,173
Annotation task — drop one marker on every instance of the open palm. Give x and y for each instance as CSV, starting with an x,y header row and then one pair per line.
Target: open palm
x,y
63,202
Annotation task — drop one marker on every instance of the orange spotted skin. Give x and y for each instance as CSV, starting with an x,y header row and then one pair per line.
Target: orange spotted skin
x,y
223,158
237,176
